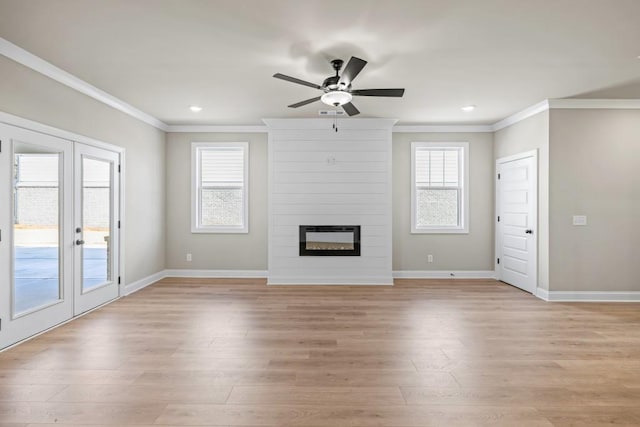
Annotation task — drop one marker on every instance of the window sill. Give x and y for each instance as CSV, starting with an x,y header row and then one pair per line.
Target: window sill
x,y
204,230
439,231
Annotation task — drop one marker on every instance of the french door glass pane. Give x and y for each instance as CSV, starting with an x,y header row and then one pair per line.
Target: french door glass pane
x,y
96,223
36,242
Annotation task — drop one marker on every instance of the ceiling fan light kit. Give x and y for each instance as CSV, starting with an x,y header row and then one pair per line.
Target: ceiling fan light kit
x,y
337,89
336,98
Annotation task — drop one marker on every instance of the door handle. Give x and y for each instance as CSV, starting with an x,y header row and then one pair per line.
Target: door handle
x,y
79,242
529,231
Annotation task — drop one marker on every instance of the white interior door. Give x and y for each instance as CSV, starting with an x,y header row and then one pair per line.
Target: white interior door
x,y
36,226
516,206
97,227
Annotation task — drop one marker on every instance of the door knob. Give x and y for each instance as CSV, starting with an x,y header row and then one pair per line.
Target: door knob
x,y
79,242
529,231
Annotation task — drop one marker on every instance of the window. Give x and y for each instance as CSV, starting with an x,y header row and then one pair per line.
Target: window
x,y
439,187
219,187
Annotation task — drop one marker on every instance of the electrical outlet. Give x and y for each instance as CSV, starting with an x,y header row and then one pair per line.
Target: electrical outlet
x,y
579,220
189,258
429,258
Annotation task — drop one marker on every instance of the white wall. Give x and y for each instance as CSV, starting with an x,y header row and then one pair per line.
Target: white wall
x,y
28,94
532,134
594,171
321,177
212,251
451,252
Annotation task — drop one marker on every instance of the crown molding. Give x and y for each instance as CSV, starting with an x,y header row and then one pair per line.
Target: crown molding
x,y
299,123
38,64
567,104
521,115
265,129
442,128
605,104
217,129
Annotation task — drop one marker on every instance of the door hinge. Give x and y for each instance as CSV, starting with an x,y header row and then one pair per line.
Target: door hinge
x,y
0,146
498,176
118,280
119,169
118,224
498,260
498,218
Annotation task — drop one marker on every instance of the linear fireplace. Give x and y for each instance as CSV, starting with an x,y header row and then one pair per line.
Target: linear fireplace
x,y
329,240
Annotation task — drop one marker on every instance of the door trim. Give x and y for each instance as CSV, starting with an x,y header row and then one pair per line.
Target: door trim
x,y
497,236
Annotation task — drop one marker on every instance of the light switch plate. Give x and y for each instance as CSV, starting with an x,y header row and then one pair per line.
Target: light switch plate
x,y
579,220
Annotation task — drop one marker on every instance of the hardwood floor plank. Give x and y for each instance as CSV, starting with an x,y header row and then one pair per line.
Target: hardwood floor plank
x,y
380,378
36,376
75,413
218,377
154,393
28,393
589,416
387,416
377,396
540,397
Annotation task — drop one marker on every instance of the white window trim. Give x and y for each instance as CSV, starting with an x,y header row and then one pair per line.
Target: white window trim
x,y
195,194
464,208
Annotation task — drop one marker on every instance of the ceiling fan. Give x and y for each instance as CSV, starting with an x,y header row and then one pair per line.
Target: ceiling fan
x,y
337,89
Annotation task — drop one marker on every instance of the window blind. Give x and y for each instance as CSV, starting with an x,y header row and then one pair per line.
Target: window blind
x,y
437,167
37,168
222,167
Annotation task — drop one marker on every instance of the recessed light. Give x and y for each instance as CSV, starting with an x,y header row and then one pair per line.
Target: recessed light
x,y
195,108
468,108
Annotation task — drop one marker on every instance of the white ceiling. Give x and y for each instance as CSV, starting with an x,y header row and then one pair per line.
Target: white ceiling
x,y
162,56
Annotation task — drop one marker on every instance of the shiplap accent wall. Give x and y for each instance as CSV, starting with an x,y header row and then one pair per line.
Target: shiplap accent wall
x,y
321,177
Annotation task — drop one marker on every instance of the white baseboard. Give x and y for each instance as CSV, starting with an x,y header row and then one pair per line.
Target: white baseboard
x,y
543,294
434,274
306,280
212,274
589,296
144,282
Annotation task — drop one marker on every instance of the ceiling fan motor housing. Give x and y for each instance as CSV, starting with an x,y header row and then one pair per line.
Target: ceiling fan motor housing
x,y
333,82
330,83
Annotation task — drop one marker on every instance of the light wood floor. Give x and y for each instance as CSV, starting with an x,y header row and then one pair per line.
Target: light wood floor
x,y
421,353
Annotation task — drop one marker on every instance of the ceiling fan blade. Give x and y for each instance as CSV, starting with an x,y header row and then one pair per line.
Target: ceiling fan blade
x,y
353,68
397,93
305,102
294,80
350,109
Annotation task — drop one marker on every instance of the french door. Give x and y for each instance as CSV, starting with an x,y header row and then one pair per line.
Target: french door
x,y
59,240
96,233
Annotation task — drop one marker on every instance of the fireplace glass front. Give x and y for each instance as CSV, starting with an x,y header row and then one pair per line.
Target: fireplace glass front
x,y
329,240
